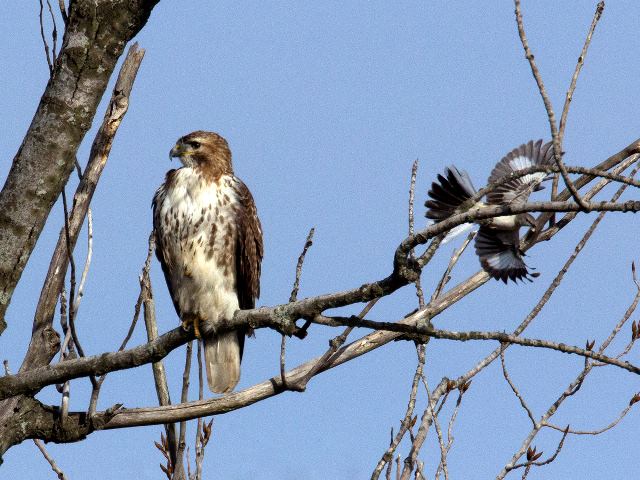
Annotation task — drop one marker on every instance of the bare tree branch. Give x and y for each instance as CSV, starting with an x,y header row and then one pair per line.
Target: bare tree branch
x,y
515,390
405,424
159,373
577,382
179,473
292,298
557,141
576,73
63,11
39,354
64,114
50,460
47,52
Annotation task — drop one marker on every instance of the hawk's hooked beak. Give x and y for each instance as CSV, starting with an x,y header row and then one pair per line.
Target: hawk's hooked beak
x,y
176,151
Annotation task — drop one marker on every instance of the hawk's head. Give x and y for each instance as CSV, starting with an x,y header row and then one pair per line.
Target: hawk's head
x,y
206,151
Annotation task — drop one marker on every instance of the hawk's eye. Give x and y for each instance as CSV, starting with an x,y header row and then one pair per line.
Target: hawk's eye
x,y
195,145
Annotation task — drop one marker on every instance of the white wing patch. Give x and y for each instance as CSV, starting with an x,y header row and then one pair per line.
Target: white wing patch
x,y
520,163
503,261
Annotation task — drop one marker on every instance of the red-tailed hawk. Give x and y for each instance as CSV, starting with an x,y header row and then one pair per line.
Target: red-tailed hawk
x,y
498,241
209,243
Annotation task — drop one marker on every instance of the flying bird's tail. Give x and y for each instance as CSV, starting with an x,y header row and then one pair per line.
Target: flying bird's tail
x,y
222,355
448,194
500,255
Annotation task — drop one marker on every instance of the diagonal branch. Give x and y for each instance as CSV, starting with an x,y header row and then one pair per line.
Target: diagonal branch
x,y
576,73
557,141
94,40
37,355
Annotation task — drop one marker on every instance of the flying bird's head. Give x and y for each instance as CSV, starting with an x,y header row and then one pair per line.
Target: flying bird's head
x,y
206,151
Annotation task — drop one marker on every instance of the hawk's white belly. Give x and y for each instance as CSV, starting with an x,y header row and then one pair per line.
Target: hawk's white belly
x,y
198,233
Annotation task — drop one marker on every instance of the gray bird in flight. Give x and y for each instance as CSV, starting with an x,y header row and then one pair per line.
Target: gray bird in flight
x,y
498,241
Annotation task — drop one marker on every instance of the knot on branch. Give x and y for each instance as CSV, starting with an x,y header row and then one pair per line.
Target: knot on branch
x,y
408,270
285,323
631,206
421,336
97,422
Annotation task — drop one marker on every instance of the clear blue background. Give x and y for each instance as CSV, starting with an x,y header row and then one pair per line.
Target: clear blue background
x,y
325,106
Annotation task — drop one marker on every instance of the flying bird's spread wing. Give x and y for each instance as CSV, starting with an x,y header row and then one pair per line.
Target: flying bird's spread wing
x,y
500,254
497,243
449,194
517,190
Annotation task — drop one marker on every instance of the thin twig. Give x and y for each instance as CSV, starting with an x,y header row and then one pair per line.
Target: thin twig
x,y
63,11
548,460
292,298
134,321
606,428
515,390
44,40
179,468
454,415
72,288
296,284
412,196
442,466
557,141
48,458
54,34
405,424
65,351
576,73
455,256
87,263
200,432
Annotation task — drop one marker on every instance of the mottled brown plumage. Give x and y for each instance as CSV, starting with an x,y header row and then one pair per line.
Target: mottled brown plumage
x,y
209,243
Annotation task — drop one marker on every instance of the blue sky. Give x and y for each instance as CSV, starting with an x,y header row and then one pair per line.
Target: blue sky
x,y
325,106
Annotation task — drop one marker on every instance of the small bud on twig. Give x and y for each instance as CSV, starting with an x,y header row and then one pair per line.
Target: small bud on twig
x,y
533,455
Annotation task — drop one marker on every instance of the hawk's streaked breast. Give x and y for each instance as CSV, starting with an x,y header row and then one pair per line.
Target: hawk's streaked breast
x,y
197,231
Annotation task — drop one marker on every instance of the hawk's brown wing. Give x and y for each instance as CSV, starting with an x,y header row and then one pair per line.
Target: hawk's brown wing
x,y
249,249
161,231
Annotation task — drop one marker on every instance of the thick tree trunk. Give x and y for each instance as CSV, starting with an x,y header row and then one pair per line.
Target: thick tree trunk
x,y
94,39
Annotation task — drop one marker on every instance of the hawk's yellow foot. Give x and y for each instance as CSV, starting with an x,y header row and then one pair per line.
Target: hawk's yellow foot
x,y
192,322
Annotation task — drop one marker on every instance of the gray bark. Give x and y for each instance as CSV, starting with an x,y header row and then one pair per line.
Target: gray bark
x,y
96,34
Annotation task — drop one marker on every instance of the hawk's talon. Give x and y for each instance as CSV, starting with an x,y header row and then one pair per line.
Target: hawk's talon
x,y
196,327
192,322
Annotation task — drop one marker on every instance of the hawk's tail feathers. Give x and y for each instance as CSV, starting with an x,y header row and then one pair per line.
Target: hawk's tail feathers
x,y
448,193
222,354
